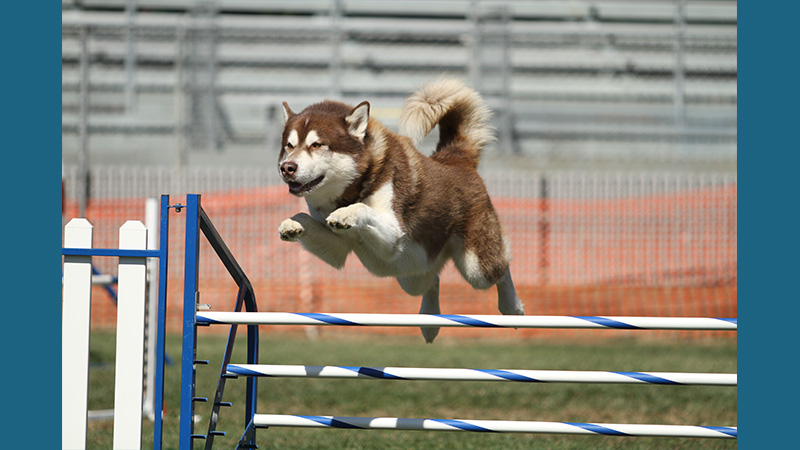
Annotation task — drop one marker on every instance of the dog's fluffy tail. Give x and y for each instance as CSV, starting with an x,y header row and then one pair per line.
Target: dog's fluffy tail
x,y
461,114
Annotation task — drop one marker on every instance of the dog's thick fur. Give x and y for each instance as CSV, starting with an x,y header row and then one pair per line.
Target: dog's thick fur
x,y
404,214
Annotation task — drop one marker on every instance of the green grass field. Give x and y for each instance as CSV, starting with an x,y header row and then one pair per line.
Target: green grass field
x,y
682,405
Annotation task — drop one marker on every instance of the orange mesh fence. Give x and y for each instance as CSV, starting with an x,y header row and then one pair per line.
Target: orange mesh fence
x,y
656,254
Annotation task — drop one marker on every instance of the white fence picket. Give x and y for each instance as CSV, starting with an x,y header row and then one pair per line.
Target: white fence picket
x,y
130,338
76,316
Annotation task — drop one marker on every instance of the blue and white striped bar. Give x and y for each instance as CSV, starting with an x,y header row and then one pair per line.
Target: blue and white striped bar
x,y
452,320
493,426
524,376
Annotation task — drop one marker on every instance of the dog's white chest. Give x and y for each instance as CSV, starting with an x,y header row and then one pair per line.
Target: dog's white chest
x,y
408,258
373,232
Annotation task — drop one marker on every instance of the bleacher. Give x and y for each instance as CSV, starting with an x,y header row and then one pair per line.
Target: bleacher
x,y
572,83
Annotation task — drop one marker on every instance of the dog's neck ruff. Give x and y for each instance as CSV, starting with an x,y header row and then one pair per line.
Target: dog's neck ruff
x,y
361,188
355,192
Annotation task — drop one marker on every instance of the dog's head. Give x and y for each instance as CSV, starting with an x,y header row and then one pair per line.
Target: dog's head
x,y
322,147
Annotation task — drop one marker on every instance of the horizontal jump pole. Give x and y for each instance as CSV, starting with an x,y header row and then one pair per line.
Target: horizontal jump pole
x,y
525,376
493,426
452,320
132,253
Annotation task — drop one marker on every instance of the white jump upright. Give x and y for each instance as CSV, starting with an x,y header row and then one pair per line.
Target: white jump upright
x,y
151,215
76,316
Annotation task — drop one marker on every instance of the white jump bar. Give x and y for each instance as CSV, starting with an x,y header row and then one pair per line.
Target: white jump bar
x,y
493,426
480,321
529,376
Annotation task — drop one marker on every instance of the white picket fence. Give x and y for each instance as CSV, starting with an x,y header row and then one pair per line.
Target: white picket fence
x,y
133,394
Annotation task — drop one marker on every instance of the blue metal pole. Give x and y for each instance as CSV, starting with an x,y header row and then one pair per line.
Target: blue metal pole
x,y
189,341
110,252
251,402
163,261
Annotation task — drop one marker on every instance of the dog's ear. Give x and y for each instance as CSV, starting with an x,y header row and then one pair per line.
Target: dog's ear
x,y
357,121
287,112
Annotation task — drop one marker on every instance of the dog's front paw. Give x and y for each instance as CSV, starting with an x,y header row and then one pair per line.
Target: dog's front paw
x,y
346,218
290,230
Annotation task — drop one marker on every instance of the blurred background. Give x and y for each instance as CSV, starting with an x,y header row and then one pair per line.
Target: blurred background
x,y
614,171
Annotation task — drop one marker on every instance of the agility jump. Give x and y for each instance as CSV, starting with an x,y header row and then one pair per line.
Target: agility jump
x,y
77,285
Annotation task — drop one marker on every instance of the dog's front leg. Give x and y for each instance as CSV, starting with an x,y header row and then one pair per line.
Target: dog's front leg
x,y
378,230
317,239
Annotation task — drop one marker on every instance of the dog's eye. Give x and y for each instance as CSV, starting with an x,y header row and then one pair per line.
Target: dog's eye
x,y
316,145
289,146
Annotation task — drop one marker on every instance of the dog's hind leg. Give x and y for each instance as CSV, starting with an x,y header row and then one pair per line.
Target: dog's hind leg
x,y
430,305
428,286
472,269
483,260
507,300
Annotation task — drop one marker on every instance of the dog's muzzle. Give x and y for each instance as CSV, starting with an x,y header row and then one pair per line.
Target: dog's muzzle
x,y
300,189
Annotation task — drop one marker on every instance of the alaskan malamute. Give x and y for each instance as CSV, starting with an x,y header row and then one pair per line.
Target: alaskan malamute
x,y
404,214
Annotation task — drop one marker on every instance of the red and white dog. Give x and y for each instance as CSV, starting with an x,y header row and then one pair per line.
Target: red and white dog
x,y
404,214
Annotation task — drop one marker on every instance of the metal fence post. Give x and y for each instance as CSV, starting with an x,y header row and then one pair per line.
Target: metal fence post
x,y
83,122
189,340
680,31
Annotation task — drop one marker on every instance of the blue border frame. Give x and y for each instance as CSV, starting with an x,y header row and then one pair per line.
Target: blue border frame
x,y
767,240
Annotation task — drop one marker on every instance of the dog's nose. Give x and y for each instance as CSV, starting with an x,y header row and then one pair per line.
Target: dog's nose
x,y
288,169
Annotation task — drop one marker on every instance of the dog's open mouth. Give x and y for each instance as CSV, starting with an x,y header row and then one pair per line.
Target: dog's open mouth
x,y
300,189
